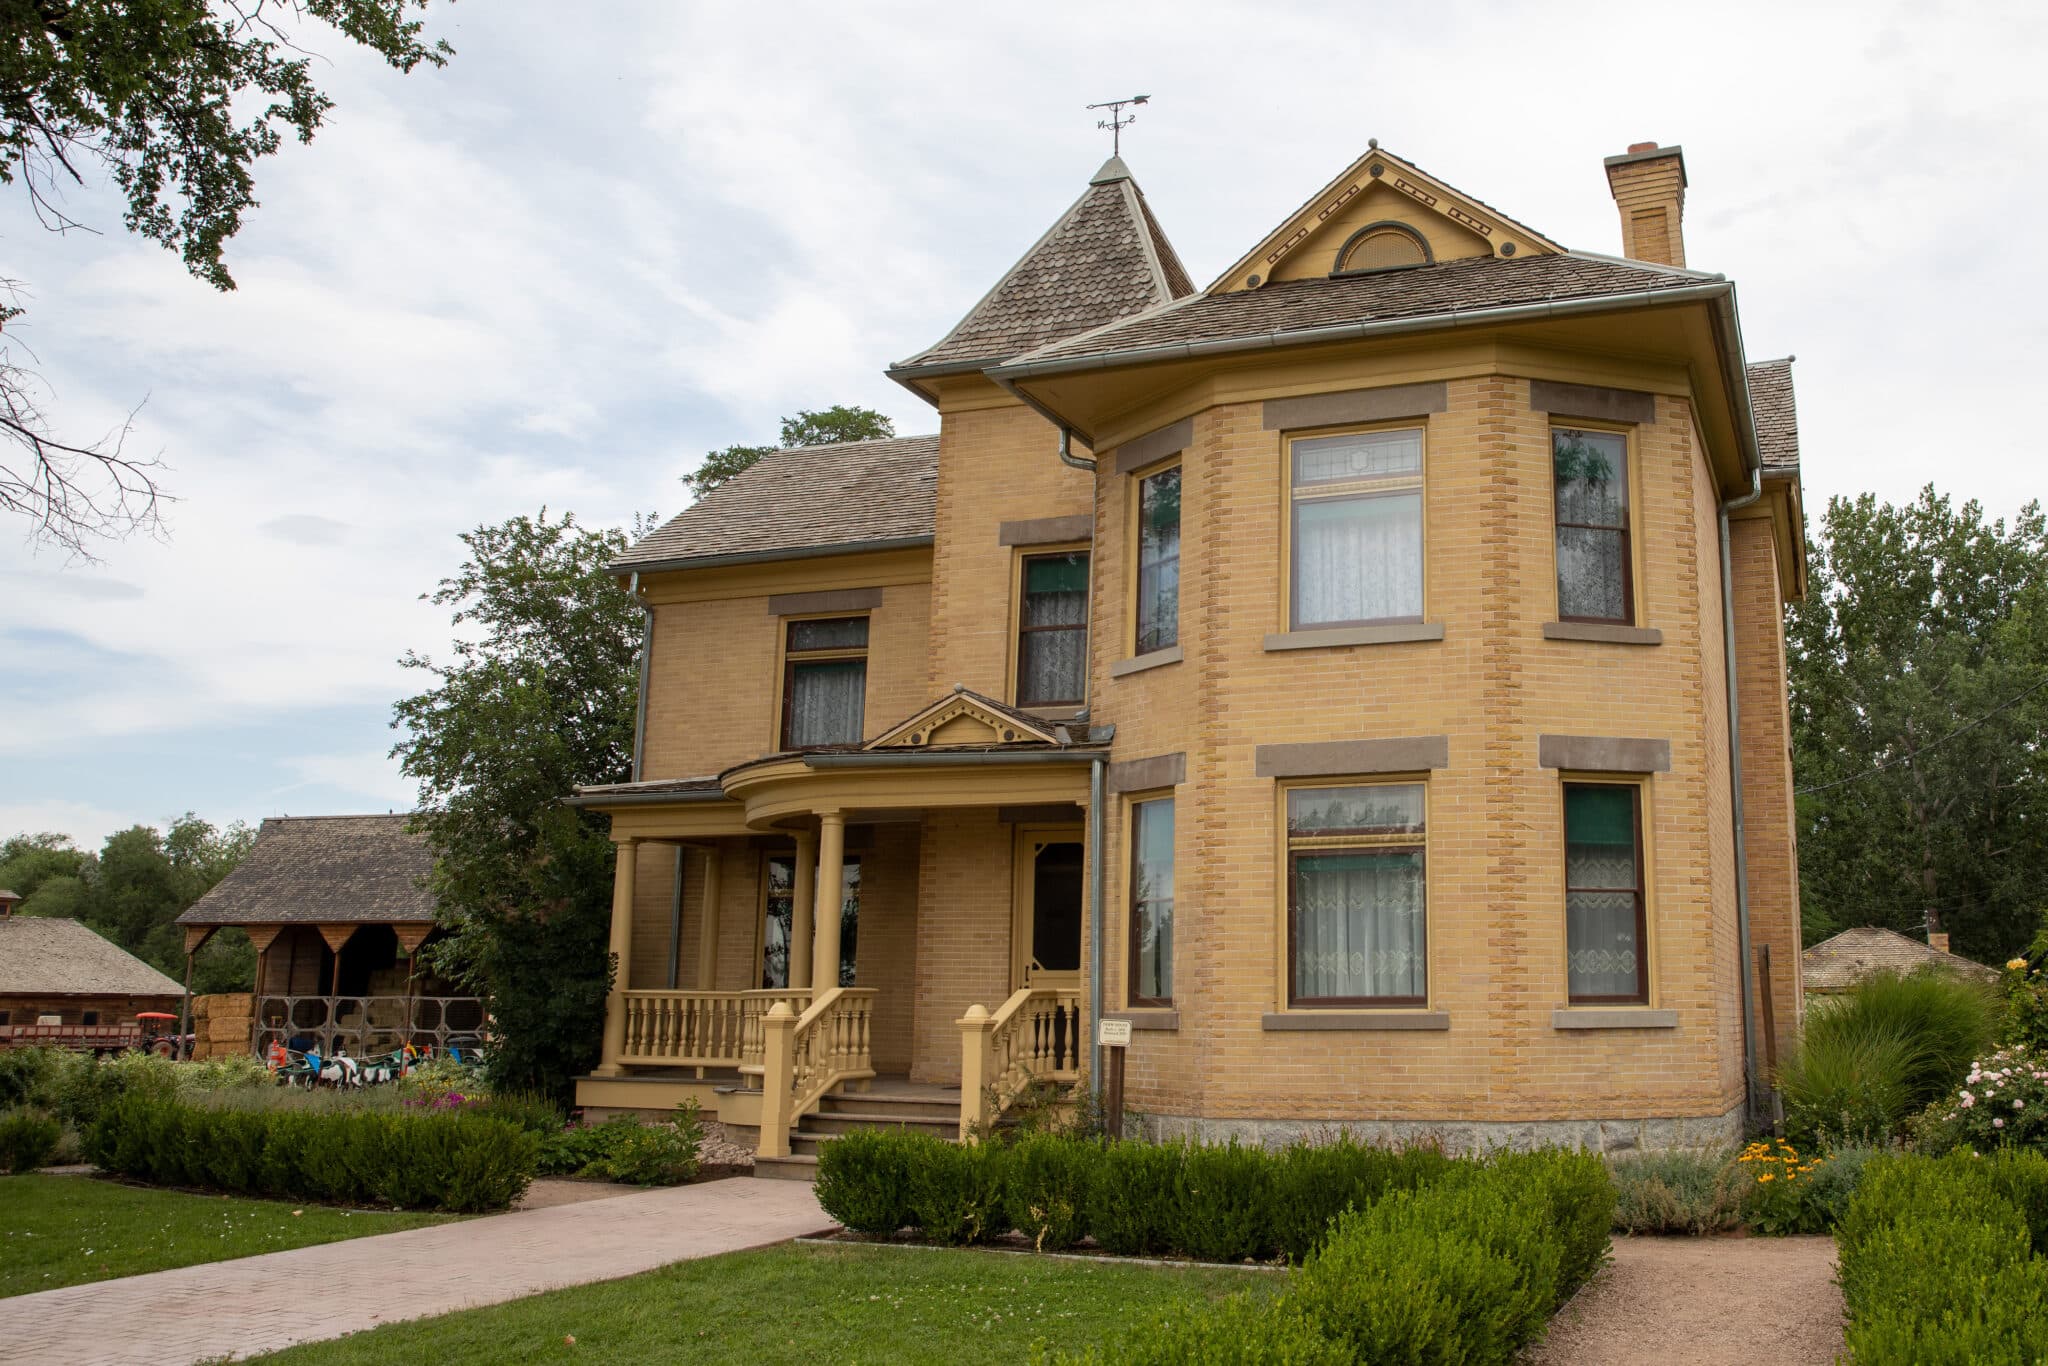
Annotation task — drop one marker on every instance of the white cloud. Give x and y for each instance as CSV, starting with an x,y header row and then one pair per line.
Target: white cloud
x,y
87,823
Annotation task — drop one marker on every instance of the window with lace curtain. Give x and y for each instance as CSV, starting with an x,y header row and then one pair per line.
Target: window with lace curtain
x,y
1606,947
1052,631
1594,578
825,682
1355,528
1357,902
1158,576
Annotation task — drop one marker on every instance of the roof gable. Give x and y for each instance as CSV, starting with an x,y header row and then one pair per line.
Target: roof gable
x,y
1839,963
1380,191
1105,258
965,719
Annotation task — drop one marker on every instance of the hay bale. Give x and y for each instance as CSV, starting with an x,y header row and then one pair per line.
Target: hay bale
x,y
228,1029
233,1003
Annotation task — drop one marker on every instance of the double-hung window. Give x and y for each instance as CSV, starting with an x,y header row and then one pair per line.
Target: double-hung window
x,y
1052,631
1594,578
1152,902
1355,509
1356,899
1158,606
825,682
1606,947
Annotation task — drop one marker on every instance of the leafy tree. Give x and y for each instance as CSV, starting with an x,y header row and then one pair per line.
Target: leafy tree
x,y
537,698
807,428
27,862
1919,675
176,100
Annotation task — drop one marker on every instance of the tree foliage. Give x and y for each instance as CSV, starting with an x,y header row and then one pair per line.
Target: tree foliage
x,y
176,101
1919,675
537,698
134,889
807,428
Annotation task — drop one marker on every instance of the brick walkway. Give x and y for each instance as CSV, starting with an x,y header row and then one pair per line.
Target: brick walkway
x,y
260,1304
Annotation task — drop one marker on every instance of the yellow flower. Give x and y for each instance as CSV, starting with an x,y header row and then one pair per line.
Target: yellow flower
x,y
1767,1177
2016,964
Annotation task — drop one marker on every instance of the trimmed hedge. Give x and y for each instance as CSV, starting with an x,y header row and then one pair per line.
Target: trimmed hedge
x,y
1945,1260
1216,1203
466,1163
1468,1268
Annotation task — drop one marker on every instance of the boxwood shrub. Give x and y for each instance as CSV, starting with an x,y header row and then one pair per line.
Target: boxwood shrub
x,y
1942,1260
450,1160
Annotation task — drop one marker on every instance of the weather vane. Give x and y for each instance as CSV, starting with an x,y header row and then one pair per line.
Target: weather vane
x,y
1118,120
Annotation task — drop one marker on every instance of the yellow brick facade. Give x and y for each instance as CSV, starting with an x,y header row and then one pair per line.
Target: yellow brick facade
x,y
1504,1053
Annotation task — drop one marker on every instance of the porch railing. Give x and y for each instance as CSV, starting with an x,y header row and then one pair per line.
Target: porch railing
x,y
369,1024
1033,1036
699,1028
804,1056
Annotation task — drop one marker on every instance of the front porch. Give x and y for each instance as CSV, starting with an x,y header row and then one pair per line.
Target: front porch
x,y
828,935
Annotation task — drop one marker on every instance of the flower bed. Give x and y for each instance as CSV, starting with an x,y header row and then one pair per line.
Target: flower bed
x,y
455,1161
1945,1260
2002,1103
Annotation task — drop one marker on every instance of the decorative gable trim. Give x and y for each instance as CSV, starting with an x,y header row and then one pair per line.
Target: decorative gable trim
x,y
963,719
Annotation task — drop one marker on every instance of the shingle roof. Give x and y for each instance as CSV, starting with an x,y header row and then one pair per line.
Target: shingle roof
x,y
1106,258
1777,416
805,498
1839,963
324,869
1299,305
41,956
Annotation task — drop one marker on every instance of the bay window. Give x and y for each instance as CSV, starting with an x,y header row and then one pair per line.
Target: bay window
x,y
1355,528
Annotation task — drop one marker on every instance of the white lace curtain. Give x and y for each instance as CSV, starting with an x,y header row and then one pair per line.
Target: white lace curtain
x,y
1602,949
825,702
1359,925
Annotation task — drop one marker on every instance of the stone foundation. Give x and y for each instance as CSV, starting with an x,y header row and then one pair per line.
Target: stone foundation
x,y
1465,1136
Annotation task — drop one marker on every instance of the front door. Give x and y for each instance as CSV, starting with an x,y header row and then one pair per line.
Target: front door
x,y
1049,897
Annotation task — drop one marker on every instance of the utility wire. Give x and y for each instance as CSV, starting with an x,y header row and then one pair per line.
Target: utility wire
x,y
1932,744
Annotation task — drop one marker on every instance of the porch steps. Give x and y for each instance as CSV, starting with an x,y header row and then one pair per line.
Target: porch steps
x,y
887,1104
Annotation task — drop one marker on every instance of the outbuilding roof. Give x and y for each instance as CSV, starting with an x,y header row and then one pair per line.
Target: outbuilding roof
x,y
1106,258
1839,963
324,870
850,495
44,956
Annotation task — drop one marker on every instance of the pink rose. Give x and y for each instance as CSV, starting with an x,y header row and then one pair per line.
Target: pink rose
x,y
1998,1124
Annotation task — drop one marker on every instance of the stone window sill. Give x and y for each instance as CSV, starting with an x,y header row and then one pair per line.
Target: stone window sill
x,y
1356,1019
1137,664
1053,713
1147,1017
1602,633
1325,636
1612,1017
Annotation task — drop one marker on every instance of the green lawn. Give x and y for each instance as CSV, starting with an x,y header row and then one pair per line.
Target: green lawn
x,y
806,1304
65,1230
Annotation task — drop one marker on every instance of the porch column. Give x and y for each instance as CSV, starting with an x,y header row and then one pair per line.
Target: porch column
x,y
622,950
707,934
801,912
831,892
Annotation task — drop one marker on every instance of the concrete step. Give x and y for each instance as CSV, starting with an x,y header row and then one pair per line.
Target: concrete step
x,y
796,1167
886,1103
846,1121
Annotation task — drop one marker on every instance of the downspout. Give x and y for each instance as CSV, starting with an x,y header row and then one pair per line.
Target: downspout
x,y
1096,784
1067,456
1749,1077
646,665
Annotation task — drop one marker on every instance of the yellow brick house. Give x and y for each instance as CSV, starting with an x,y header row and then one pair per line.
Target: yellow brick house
x,y
1365,675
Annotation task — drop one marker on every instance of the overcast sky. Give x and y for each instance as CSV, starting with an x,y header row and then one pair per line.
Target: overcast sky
x,y
609,237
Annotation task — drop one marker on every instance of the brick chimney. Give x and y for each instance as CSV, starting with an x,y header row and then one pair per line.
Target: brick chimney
x,y
1649,188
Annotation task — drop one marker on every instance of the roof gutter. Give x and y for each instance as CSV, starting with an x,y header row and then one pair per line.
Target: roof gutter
x,y
812,552
953,759
601,799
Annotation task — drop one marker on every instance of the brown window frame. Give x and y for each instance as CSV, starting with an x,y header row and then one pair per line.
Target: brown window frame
x,y
1641,995
1628,564
1024,563
1360,490
793,658
1135,905
1330,841
1139,481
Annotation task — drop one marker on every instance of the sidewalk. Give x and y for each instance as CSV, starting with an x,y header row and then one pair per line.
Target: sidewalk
x,y
260,1304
